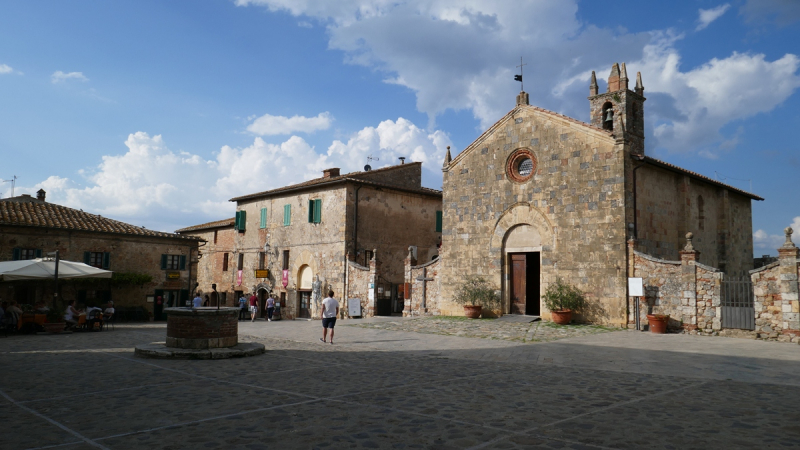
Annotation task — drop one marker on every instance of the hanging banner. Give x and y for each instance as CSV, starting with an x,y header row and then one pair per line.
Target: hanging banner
x,y
239,278
285,279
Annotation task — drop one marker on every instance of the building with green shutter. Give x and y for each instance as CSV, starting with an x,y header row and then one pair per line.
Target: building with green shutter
x,y
32,227
285,239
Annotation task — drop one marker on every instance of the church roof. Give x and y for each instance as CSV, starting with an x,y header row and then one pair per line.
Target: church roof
x,y
27,211
695,175
209,225
493,128
348,177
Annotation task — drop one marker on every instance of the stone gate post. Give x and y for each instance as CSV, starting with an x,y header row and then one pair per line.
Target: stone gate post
x,y
689,284
788,284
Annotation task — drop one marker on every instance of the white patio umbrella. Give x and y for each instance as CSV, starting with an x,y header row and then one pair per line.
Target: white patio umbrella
x,y
45,268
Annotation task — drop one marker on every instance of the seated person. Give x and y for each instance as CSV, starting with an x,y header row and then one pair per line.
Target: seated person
x,y
71,314
94,315
3,307
41,308
109,311
12,313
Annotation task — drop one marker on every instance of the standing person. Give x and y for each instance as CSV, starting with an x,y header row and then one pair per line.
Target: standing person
x,y
270,307
330,310
197,301
242,306
253,307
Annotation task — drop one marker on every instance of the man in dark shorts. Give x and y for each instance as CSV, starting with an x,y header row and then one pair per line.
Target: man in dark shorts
x,y
330,310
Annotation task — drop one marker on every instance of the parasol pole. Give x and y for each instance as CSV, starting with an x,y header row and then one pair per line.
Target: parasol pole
x,y
55,276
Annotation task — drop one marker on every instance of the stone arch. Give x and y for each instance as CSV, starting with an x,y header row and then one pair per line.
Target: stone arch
x,y
544,236
306,258
305,277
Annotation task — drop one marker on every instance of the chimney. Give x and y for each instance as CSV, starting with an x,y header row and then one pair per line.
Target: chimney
x,y
40,194
332,172
522,98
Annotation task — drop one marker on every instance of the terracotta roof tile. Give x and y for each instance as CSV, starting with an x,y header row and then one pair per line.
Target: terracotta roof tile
x,y
27,211
674,168
205,226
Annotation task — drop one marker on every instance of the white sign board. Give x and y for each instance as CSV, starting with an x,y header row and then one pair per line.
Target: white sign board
x,y
635,288
354,307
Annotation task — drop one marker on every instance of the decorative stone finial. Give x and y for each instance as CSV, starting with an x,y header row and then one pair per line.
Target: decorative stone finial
x,y
447,158
593,85
522,98
689,247
639,86
788,244
623,77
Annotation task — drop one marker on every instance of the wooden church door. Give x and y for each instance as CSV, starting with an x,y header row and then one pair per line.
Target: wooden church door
x,y
518,283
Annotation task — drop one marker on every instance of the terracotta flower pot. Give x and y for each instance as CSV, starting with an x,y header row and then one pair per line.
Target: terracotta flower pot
x,y
472,311
561,317
658,323
57,327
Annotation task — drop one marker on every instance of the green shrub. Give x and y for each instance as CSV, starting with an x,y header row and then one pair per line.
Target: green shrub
x,y
561,295
476,290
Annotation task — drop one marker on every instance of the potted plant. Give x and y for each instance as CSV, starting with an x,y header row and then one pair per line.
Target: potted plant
x,y
562,299
475,294
658,323
55,319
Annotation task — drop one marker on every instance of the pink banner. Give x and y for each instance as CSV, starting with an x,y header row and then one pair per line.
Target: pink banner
x,y
285,278
239,278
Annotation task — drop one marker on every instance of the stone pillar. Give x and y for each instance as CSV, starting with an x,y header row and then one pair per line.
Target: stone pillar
x,y
631,274
689,284
409,281
788,284
374,270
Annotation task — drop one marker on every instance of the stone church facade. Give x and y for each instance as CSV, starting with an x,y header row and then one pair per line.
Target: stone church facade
x,y
540,195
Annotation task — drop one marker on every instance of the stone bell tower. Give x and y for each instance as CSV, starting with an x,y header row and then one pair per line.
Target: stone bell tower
x,y
619,109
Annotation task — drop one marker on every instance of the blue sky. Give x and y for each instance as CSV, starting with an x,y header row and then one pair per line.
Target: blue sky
x,y
156,113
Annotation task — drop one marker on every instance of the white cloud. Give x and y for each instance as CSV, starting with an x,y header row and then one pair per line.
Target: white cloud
x,y
269,125
5,69
60,77
165,190
706,16
769,243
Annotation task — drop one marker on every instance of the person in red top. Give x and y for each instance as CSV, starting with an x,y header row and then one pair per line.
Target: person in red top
x,y
253,307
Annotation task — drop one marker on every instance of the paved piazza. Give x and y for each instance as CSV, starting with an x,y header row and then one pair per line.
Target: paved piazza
x,y
379,387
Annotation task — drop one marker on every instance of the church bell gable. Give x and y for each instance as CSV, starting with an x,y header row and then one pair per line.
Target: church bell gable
x,y
619,110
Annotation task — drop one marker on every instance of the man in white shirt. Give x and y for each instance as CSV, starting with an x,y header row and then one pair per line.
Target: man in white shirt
x,y
330,310
197,301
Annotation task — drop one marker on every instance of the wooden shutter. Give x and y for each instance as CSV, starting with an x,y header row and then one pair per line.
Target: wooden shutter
x,y
163,262
38,253
287,215
242,220
438,221
15,254
225,262
87,257
106,260
318,210
263,217
311,211
183,262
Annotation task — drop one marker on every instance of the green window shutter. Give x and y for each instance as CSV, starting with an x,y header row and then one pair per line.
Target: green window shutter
x,y
87,257
438,221
15,254
38,253
183,262
318,210
163,262
236,221
243,220
106,260
311,211
263,217
287,215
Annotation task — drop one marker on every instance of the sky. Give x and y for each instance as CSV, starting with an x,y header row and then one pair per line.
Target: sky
x,y
157,113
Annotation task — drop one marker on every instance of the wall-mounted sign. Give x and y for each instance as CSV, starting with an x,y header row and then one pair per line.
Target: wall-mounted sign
x,y
173,275
285,278
262,273
635,288
173,284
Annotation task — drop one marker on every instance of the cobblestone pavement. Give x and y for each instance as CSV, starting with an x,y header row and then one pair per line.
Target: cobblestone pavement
x,y
378,388
538,331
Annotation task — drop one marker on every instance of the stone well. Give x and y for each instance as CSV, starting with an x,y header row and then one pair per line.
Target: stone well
x,y
202,328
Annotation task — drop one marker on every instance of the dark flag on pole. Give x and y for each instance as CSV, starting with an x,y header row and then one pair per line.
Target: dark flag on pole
x,y
518,78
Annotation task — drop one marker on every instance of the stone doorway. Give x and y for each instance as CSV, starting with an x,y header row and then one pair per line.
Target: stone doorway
x,y
525,275
262,302
305,304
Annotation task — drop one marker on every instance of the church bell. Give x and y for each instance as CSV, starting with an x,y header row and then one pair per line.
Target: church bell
x,y
609,115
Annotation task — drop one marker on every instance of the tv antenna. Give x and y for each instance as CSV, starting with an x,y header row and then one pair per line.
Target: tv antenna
x,y
12,181
367,168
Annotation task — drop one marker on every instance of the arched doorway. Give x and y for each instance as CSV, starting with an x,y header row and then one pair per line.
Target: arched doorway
x,y
522,249
262,301
305,278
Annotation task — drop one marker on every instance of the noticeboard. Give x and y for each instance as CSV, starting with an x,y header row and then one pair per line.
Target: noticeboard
x,y
635,287
354,307
262,273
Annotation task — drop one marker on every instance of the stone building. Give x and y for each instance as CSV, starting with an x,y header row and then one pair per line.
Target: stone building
x,y
540,195
32,227
300,240
214,264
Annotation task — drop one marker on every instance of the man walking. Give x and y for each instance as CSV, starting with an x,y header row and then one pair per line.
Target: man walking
x,y
330,311
270,307
242,307
253,307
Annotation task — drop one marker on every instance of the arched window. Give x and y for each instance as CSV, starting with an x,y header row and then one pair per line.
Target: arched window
x,y
608,116
701,215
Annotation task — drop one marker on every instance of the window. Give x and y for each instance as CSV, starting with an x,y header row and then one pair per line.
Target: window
x,y
367,257
262,260
438,221
25,253
215,236
520,166
287,215
240,221
701,216
263,223
224,262
315,211
97,259
241,261
286,260
173,262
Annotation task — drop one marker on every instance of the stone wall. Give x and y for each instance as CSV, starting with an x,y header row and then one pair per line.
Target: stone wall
x,y
404,175
211,269
776,295
424,296
358,281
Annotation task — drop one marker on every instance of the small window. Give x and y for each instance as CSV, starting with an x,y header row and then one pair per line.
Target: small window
x,y
215,236
701,214
97,259
173,262
262,260
26,253
263,223
241,261
224,262
315,211
241,221
287,215
286,260
438,221
525,167
367,257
